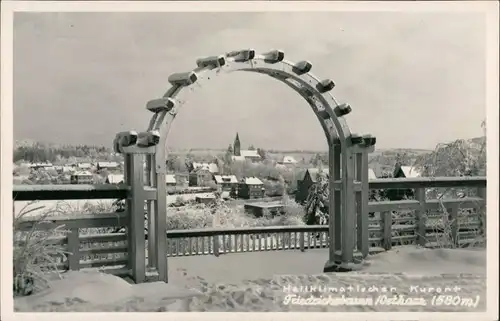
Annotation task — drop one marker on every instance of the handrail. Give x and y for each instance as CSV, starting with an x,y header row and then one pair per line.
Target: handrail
x,y
107,191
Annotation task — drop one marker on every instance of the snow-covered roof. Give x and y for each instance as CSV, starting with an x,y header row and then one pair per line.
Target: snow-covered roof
x,y
371,174
108,164
313,172
115,178
225,179
170,179
252,181
410,171
212,167
249,153
289,160
238,158
83,173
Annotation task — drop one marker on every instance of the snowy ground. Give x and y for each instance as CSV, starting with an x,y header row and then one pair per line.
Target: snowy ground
x,y
255,281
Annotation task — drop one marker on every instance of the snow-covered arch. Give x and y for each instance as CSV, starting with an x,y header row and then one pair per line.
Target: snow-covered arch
x,y
343,145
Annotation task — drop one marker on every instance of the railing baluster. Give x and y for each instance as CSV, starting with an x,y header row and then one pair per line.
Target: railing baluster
x,y
215,240
230,245
260,241
203,245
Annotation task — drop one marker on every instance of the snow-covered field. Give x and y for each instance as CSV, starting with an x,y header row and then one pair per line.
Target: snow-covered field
x,y
255,282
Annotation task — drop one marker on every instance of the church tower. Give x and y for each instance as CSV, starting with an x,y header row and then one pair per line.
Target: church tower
x,y
237,146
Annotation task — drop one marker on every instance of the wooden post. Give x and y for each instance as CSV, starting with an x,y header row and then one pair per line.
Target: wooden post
x,y
453,221
337,206
332,213
362,201
150,181
160,230
482,192
349,206
74,249
387,230
420,217
215,241
127,178
302,241
137,250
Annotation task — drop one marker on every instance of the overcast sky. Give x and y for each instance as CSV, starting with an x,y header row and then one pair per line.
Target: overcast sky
x,y
412,79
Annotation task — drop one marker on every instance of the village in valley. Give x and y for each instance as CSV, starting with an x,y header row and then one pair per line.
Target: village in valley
x,y
259,181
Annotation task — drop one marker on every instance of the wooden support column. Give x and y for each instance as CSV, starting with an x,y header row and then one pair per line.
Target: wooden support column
x,y
362,202
349,209
332,214
160,212
149,181
137,246
337,206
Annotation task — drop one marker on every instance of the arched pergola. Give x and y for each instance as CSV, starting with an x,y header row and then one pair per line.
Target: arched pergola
x,y
348,157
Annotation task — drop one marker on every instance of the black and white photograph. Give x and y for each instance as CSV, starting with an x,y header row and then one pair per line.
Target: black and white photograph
x,y
250,157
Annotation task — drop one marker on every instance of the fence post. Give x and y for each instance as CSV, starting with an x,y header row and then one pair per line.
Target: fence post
x,y
420,217
74,249
215,240
387,230
482,192
453,221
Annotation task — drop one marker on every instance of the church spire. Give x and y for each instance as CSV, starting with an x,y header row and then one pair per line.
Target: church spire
x,y
237,145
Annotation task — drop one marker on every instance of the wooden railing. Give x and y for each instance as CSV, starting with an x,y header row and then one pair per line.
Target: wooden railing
x,y
397,223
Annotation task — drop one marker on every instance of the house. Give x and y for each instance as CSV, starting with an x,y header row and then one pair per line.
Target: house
x,y
406,172
251,187
85,166
115,179
238,158
40,165
226,182
251,155
310,178
211,167
63,169
207,198
288,160
401,171
371,174
260,209
108,165
200,177
170,180
84,177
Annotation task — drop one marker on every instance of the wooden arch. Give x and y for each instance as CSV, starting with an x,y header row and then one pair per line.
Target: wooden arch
x,y
343,146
